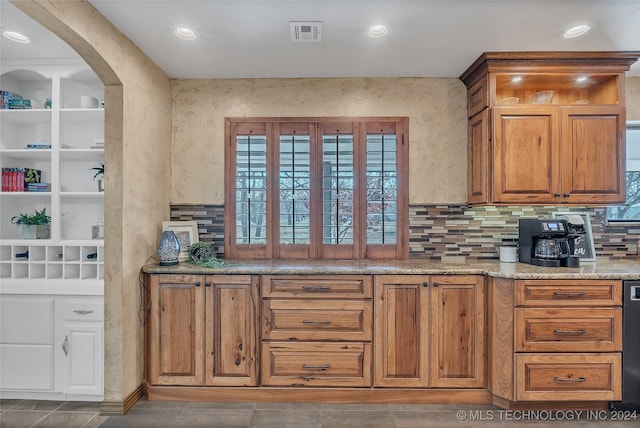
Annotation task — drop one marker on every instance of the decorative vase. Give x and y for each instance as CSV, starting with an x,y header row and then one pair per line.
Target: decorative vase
x,y
168,248
34,231
101,185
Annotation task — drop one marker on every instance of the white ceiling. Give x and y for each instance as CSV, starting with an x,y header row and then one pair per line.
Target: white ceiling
x,y
426,38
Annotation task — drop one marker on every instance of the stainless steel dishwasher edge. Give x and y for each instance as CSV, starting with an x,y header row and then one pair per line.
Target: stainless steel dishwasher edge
x,y
630,348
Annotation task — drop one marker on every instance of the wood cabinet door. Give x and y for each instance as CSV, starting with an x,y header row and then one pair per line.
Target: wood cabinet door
x,y
457,322
231,330
176,330
525,162
401,331
479,167
593,155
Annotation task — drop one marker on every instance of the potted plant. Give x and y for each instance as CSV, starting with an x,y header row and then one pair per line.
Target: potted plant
x,y
99,173
33,226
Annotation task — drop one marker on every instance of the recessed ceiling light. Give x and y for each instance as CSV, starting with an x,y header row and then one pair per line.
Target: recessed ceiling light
x,y
185,33
16,36
576,31
581,79
516,79
378,30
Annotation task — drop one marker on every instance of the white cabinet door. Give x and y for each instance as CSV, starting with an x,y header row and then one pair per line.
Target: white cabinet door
x,y
80,349
27,343
83,356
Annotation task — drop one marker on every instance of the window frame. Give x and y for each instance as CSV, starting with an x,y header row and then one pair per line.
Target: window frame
x,y
273,128
635,125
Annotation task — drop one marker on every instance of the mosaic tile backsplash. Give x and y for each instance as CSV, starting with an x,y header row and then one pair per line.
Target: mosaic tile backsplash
x,y
453,233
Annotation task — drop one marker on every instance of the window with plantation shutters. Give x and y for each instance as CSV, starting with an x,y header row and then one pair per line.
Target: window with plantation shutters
x,y
316,188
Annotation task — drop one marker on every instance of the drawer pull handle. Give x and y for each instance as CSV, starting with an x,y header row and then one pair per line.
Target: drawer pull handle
x,y
316,287
570,294
570,332
321,366
566,380
65,346
82,312
327,322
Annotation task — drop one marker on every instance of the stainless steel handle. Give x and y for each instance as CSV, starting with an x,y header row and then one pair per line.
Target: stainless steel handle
x,y
321,366
327,322
65,346
570,332
570,294
569,380
82,312
316,287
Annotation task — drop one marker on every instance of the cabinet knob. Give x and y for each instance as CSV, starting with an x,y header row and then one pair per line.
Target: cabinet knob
x,y
197,283
435,283
556,195
565,195
425,284
207,283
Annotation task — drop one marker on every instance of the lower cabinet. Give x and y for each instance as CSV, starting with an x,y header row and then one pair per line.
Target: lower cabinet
x,y
202,330
429,331
51,347
316,330
555,340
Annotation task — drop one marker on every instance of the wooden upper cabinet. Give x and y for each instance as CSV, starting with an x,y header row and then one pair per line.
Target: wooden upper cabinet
x,y
547,127
593,154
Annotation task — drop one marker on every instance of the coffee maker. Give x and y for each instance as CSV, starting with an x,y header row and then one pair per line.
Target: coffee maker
x,y
545,242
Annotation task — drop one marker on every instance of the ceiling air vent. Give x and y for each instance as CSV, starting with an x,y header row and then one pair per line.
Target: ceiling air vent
x,y
306,31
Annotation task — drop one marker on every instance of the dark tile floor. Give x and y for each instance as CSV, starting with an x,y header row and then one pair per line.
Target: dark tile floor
x,y
159,414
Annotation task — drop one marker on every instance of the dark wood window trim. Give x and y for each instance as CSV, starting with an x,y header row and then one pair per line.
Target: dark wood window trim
x,y
265,134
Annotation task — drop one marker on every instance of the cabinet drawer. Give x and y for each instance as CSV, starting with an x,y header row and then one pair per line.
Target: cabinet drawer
x,y
574,377
568,293
317,320
311,287
316,364
569,329
84,309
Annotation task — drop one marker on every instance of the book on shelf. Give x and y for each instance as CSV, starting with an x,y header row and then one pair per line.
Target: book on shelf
x,y
18,179
38,146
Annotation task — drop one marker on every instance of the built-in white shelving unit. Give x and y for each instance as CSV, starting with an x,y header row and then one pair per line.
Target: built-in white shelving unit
x,y
74,201
51,290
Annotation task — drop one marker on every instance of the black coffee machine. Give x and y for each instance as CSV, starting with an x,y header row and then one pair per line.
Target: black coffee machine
x,y
545,242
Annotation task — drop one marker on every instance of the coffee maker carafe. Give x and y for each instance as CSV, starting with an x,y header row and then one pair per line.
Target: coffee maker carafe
x,y
544,242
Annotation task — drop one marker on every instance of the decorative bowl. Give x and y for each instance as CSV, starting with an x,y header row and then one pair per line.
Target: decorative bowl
x,y
540,97
509,100
581,102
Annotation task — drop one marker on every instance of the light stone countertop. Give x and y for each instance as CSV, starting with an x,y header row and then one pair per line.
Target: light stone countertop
x,y
602,269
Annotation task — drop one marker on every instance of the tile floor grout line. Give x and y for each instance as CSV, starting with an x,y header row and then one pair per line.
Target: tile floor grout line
x,y
40,420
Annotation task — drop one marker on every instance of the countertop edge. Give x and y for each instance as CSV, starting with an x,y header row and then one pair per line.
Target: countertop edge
x,y
625,270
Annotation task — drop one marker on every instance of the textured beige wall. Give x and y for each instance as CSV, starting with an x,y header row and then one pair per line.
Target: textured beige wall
x,y
137,159
632,94
437,126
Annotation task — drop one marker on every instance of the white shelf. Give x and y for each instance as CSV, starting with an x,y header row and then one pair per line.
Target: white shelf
x,y
25,154
38,195
80,195
82,115
26,115
82,154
